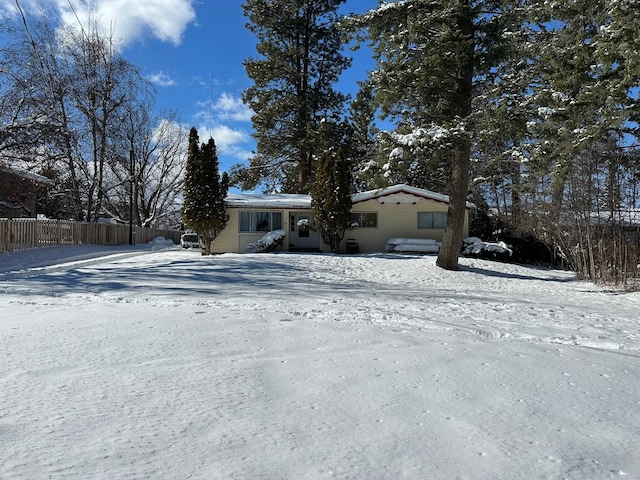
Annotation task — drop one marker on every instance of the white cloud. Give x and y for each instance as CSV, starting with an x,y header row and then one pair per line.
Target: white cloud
x,y
162,79
128,20
241,153
229,107
226,139
226,136
7,7
230,141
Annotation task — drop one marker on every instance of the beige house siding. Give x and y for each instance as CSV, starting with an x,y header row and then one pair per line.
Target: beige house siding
x,y
232,240
395,220
227,240
396,208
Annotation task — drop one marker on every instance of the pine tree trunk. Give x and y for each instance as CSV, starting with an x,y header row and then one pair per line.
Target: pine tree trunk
x,y
205,248
516,201
453,234
459,186
336,239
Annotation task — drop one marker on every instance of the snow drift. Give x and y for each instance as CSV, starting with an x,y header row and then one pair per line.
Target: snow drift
x,y
165,364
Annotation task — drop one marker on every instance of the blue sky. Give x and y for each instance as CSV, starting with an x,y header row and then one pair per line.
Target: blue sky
x,y
192,51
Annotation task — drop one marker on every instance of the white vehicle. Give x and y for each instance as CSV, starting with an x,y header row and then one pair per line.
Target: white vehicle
x,y
189,240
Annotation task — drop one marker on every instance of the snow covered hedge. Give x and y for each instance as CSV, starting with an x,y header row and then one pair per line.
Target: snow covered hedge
x,y
268,243
475,247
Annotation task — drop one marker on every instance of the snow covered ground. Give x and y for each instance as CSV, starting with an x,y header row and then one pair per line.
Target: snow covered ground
x,y
145,363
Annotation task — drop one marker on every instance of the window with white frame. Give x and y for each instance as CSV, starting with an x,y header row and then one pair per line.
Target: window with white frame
x,y
256,221
432,220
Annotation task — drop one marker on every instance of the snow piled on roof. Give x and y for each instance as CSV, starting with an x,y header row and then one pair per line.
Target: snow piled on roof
x,y
26,174
402,188
269,200
288,200
380,192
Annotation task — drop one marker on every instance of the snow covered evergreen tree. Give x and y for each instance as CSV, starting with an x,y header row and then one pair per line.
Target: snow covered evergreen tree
x,y
364,146
299,59
560,110
431,57
204,208
585,77
587,64
331,199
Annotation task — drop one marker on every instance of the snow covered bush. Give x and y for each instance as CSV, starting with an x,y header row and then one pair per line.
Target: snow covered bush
x,y
475,247
268,243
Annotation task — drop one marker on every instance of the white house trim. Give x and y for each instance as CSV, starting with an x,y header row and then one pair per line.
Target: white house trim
x,y
394,213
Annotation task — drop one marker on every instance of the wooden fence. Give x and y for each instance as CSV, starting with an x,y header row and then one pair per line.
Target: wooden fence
x,y
23,233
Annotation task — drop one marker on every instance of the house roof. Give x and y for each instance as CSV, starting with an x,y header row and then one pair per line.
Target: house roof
x,y
287,200
399,190
19,172
621,218
268,200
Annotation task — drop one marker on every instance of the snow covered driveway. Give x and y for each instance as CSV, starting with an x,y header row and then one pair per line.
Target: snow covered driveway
x,y
165,364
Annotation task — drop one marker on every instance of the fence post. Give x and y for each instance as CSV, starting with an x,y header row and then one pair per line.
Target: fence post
x,y
5,240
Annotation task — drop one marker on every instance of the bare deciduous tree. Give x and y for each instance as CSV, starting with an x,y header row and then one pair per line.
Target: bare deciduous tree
x,y
72,109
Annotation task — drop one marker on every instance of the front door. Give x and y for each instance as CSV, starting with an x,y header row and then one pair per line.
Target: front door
x,y
302,237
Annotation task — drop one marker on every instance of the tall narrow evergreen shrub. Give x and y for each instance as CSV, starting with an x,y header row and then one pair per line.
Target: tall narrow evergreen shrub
x,y
204,209
331,199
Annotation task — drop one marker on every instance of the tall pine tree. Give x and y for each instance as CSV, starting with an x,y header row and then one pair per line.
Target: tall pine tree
x,y
364,149
586,67
299,59
204,208
431,59
585,73
331,199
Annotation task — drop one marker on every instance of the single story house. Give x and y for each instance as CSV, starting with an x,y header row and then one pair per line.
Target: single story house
x,y
377,215
19,192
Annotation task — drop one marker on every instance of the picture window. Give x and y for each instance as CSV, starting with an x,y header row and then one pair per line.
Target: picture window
x,y
251,221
